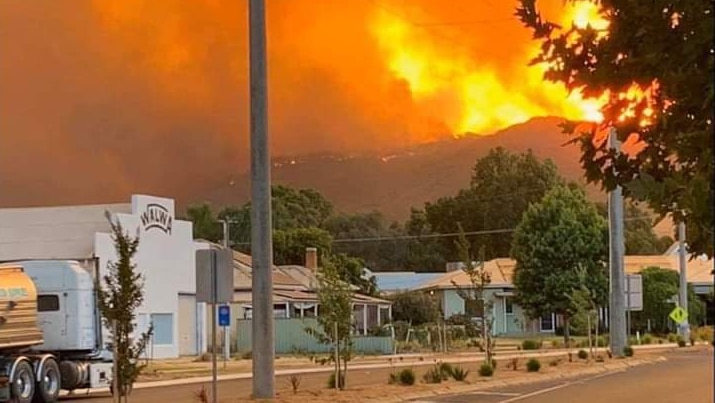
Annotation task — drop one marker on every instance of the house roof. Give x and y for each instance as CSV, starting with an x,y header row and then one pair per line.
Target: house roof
x,y
502,271
290,283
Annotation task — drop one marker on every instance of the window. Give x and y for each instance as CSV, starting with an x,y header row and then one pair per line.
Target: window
x,y
48,303
163,328
508,306
547,323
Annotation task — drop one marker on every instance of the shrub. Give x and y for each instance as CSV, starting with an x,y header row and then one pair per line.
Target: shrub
x,y
628,351
247,355
514,365
445,369
331,380
647,339
533,365
681,343
392,378
555,344
705,333
599,359
672,338
555,362
486,370
434,375
693,339
602,342
202,396
459,374
406,377
494,364
530,345
582,354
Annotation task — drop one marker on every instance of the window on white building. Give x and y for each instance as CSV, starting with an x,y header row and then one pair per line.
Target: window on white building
x,y
163,328
508,306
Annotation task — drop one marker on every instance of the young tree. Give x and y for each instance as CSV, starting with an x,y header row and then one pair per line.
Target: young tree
x,y
556,238
665,49
585,308
475,293
118,301
335,318
414,307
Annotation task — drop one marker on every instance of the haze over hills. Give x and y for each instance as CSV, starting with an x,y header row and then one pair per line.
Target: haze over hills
x,y
394,182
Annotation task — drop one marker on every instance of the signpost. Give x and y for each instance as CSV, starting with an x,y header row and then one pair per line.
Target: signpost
x,y
634,297
214,285
679,315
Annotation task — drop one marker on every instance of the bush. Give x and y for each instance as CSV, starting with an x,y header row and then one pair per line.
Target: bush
x,y
672,338
530,345
406,377
681,343
555,344
514,365
693,339
486,370
434,375
331,380
647,339
582,354
555,362
446,370
294,383
628,351
602,341
599,359
459,374
494,364
533,365
392,378
705,333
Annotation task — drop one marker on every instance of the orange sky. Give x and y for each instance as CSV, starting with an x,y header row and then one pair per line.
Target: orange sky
x,y
87,87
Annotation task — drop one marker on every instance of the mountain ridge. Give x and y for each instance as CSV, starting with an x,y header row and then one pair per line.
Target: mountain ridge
x,y
393,182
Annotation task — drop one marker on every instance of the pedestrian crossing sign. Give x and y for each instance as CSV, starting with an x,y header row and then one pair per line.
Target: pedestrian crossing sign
x,y
679,315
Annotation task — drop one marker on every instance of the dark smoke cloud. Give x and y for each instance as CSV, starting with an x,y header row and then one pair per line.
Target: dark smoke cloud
x,y
103,98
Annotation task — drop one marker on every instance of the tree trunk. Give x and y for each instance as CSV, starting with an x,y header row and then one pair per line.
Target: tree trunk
x,y
588,326
598,319
567,332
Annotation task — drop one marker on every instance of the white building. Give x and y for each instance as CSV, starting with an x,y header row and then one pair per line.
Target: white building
x,y
166,258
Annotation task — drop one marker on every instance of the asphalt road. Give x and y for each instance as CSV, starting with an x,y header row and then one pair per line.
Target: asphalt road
x,y
686,376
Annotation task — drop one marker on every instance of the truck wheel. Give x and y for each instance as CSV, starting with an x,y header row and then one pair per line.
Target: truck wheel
x,y
48,382
23,382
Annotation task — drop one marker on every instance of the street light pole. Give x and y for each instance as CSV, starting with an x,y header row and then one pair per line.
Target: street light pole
x,y
616,309
261,243
227,329
683,297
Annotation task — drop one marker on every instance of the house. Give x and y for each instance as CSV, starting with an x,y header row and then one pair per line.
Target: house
x,y
509,318
295,303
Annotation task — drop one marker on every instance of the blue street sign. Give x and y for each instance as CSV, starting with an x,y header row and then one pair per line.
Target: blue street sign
x,y
224,315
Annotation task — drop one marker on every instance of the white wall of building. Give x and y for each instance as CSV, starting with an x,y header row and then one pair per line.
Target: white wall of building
x,y
166,257
166,260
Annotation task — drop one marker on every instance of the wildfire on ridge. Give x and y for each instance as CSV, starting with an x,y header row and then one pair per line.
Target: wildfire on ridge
x,y
483,101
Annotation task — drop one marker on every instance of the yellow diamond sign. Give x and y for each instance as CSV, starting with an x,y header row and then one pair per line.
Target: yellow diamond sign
x,y
679,315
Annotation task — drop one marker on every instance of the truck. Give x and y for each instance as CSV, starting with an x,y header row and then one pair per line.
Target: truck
x,y
50,332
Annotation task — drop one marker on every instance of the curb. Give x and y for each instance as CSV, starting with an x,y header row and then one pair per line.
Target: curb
x,y
428,360
606,368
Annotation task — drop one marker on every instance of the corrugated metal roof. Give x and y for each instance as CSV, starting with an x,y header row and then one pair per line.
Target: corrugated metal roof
x,y
502,271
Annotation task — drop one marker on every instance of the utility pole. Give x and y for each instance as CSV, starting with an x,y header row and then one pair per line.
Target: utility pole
x,y
617,309
261,226
685,327
226,329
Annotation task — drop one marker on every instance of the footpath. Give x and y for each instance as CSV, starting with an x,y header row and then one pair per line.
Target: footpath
x,y
304,366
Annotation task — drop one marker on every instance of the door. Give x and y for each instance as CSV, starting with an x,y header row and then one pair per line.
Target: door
x,y
187,325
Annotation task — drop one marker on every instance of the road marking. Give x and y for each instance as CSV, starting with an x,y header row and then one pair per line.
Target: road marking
x,y
505,394
557,387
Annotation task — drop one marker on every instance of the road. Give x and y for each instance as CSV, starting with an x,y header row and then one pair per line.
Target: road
x,y
687,376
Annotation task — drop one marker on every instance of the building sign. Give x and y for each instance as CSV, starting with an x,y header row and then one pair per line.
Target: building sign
x,y
157,217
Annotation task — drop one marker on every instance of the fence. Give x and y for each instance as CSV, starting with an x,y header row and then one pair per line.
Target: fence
x,y
291,337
